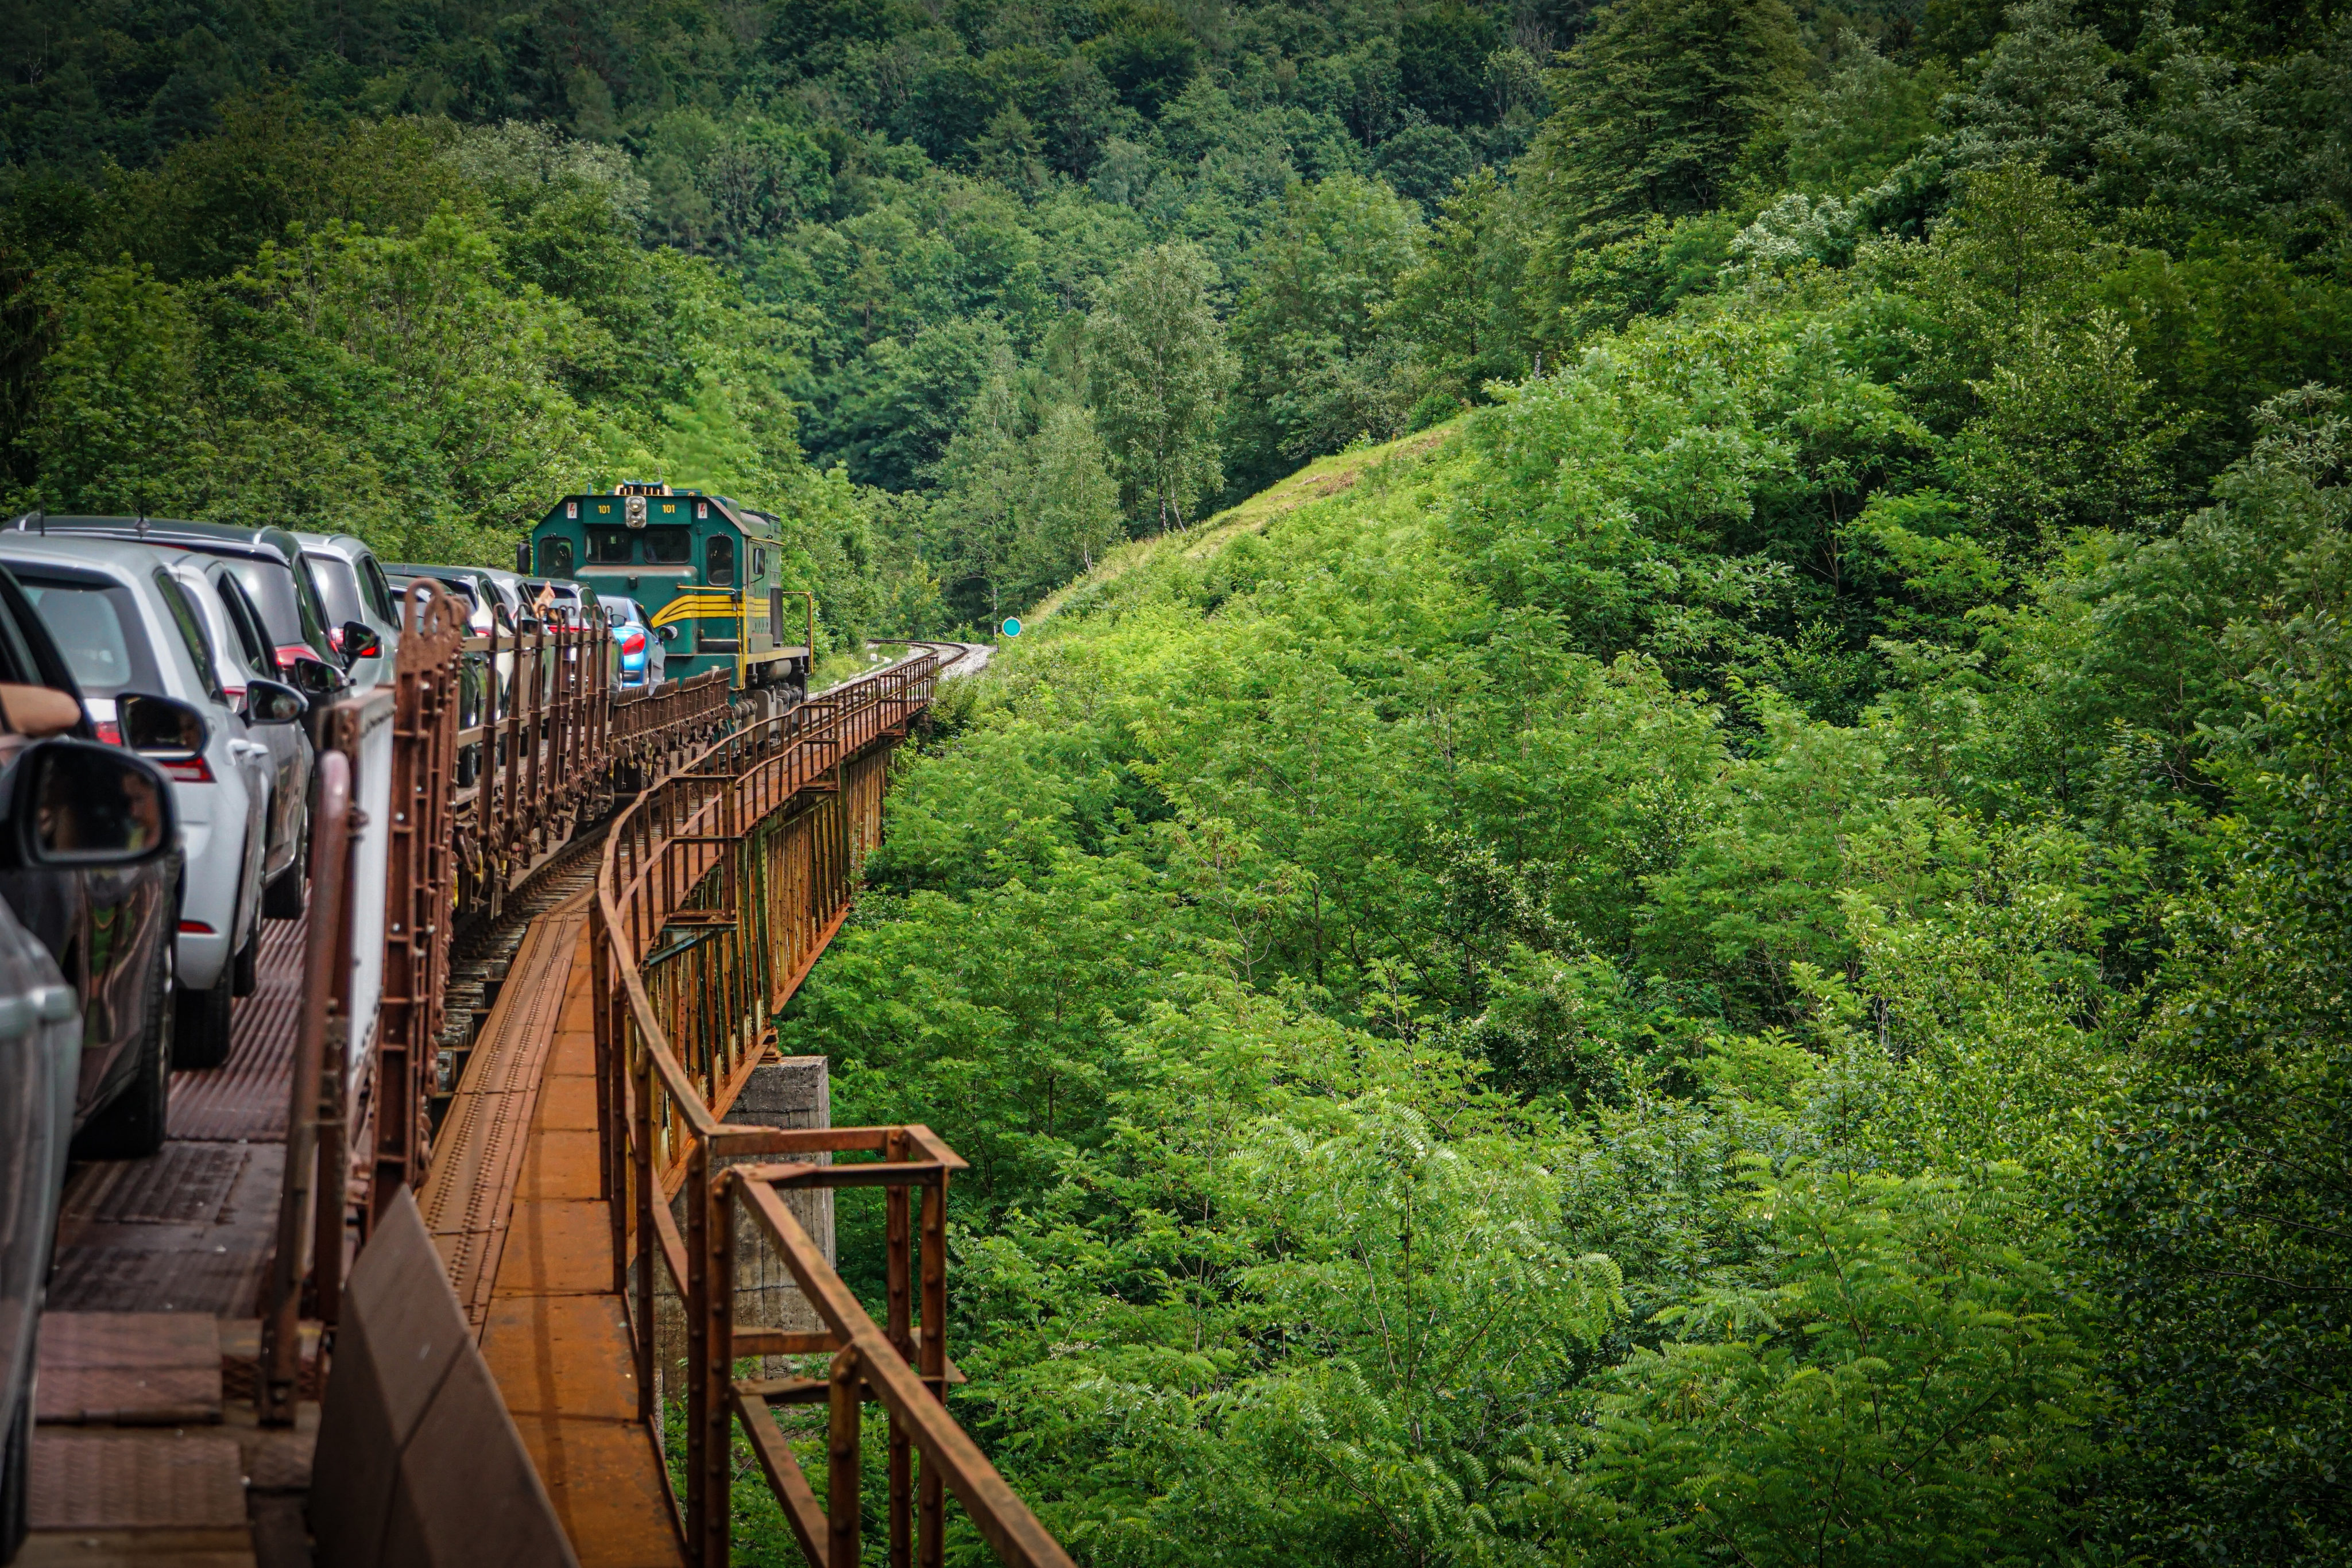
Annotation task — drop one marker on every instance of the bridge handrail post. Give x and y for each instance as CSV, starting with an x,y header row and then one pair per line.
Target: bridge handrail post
x,y
282,1318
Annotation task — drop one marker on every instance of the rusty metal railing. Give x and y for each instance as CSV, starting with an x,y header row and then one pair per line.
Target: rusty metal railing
x,y
542,729
718,888
438,794
503,747
904,1368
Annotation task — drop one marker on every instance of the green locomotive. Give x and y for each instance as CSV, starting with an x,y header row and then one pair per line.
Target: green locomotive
x,y
705,569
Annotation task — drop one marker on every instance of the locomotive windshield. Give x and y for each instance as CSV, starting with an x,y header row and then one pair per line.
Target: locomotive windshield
x,y
719,560
669,547
609,546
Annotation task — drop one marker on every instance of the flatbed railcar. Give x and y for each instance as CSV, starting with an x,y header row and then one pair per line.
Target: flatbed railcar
x,y
707,569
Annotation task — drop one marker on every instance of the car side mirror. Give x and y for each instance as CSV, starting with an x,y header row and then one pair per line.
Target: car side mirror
x,y
78,803
271,702
360,642
159,724
313,677
669,633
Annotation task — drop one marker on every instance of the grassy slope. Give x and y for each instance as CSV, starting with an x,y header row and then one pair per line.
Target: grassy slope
x,y
1319,480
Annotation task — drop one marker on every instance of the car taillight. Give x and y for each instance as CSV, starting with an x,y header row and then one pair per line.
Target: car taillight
x,y
110,732
195,927
335,638
292,653
633,642
185,769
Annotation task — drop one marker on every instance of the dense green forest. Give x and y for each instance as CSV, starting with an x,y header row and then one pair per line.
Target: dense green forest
x,y
1718,937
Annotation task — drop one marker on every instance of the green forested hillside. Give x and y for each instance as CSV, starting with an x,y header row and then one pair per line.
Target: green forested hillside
x,y
1717,938
1036,277
1462,1064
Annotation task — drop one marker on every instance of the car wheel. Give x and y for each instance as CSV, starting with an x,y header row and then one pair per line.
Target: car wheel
x,y
204,1025
132,1128
287,895
245,970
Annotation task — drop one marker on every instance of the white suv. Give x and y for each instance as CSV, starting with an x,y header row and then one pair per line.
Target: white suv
x,y
242,654
128,626
352,583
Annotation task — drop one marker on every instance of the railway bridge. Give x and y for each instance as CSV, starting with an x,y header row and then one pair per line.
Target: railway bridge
x,y
504,1235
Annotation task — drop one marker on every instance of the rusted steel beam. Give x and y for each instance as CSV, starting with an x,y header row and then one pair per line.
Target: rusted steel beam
x,y
736,1141
898,1311
842,1460
1002,1518
784,1476
881,1172
281,1316
784,1342
932,1360
709,1297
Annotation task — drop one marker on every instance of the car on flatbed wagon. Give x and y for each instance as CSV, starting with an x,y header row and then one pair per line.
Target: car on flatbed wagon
x,y
132,631
105,917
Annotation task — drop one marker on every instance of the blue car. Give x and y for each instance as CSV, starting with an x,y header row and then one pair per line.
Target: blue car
x,y
642,656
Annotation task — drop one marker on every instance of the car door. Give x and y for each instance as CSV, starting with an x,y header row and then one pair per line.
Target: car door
x,y
40,1045
101,924
250,755
288,744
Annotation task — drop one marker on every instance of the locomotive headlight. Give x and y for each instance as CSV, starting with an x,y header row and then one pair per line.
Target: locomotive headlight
x,y
637,512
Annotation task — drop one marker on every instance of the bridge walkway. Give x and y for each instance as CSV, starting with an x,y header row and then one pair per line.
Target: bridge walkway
x,y
513,1205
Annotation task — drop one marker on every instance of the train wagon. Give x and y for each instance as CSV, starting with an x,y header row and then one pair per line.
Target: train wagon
x,y
707,569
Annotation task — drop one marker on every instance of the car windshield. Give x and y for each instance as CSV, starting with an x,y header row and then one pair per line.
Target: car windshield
x,y
338,587
96,625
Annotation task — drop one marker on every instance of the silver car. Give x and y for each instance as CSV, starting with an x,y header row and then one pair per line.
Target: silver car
x,y
508,587
128,625
352,585
242,654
